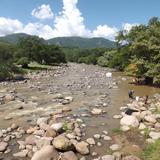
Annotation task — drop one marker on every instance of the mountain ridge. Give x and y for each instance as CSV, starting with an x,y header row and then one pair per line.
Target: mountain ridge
x,y
74,41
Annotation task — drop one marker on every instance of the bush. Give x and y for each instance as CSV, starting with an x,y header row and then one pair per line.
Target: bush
x,y
23,62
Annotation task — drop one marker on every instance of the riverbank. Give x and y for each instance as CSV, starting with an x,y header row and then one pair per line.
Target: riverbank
x,y
79,99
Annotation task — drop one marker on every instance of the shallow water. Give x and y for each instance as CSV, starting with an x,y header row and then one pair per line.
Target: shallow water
x,y
71,83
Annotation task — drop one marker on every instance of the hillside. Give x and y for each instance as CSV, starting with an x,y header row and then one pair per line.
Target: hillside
x,y
13,38
65,41
82,42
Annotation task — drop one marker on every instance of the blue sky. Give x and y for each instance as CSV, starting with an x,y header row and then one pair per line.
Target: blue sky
x,y
86,18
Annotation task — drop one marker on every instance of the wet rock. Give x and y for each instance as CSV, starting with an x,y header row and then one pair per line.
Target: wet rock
x,y
82,148
46,153
3,146
69,156
62,143
129,121
21,154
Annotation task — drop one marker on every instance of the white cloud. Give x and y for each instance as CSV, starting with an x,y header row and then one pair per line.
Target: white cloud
x,y
9,26
43,12
70,21
105,31
44,31
127,26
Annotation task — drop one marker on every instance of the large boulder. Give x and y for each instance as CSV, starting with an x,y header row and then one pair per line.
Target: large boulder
x,y
62,143
46,153
130,121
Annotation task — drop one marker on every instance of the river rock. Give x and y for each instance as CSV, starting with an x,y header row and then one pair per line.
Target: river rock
x,y
108,157
129,121
150,119
21,154
46,153
14,126
57,126
39,132
31,140
42,120
9,97
97,136
82,148
131,157
69,156
32,130
114,147
3,146
50,133
96,111
142,126
154,135
62,143
91,141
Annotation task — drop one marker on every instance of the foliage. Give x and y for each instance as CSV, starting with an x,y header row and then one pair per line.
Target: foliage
x,y
152,152
7,67
141,46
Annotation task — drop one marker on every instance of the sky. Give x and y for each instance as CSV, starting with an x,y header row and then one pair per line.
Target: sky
x,y
85,18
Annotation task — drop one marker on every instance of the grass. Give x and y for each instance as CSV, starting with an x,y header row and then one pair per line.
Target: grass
x,y
146,132
117,131
152,152
109,151
33,67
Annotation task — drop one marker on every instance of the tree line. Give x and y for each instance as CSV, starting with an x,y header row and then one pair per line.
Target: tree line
x,y
137,53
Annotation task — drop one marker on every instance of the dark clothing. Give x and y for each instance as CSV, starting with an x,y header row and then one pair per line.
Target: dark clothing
x,y
130,94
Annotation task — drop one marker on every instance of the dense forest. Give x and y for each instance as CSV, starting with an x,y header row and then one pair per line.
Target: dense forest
x,y
137,53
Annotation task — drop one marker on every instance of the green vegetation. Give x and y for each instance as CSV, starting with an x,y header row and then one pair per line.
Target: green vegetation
x,y
117,131
152,152
146,132
137,52
27,50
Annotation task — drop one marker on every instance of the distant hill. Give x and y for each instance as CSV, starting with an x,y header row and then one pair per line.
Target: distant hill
x,y
13,38
65,41
82,42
